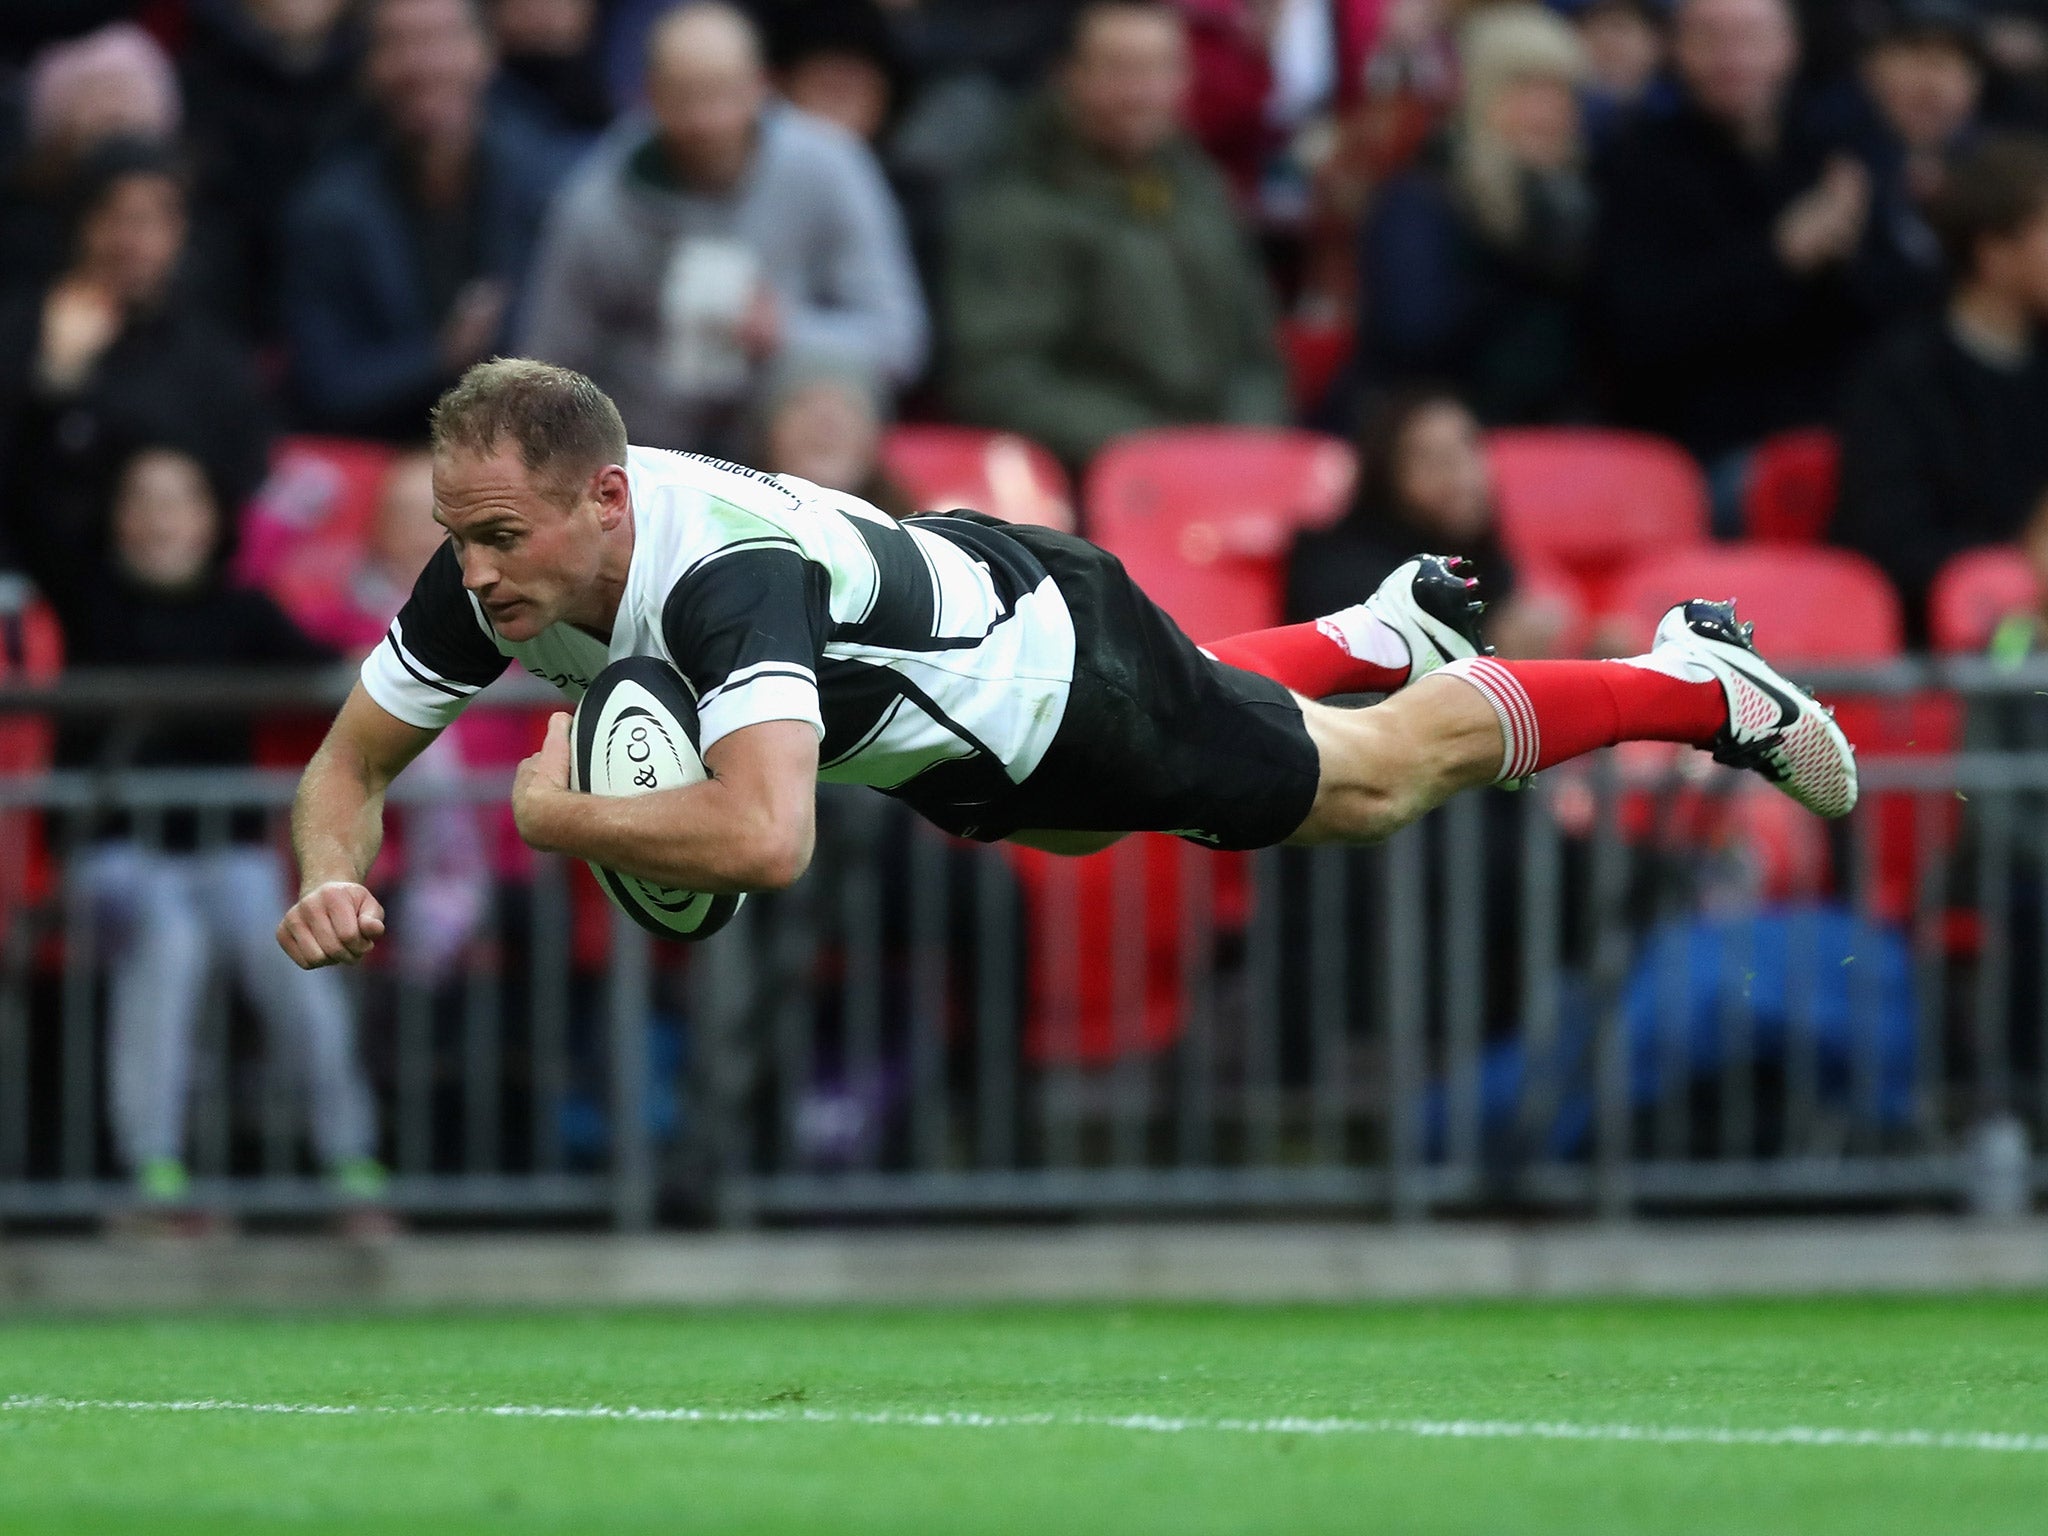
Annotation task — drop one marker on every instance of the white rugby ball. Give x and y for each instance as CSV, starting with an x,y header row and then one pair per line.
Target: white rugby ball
x,y
635,732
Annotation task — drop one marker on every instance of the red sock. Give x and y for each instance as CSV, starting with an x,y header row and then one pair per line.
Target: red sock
x,y
1553,710
1308,658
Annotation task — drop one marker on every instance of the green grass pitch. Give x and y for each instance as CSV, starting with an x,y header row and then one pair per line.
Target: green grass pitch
x,y
816,1421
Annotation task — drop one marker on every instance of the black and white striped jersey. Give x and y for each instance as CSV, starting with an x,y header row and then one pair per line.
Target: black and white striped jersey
x,y
904,645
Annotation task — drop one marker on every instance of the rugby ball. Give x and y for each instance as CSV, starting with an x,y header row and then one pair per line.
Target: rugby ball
x,y
636,731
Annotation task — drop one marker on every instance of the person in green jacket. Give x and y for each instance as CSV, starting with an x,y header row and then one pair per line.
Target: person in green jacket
x,y
1099,279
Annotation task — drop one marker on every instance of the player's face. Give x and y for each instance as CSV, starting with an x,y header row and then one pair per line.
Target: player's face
x,y
529,558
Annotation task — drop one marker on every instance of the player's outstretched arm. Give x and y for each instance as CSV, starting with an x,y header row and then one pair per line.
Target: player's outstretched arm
x,y
751,826
337,827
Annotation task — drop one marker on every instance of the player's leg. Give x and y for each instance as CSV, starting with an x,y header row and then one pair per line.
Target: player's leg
x,y
1485,721
1421,617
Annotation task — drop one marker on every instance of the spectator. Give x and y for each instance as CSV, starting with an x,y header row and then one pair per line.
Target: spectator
x,y
692,255
1626,50
549,53
271,86
835,60
1922,81
169,903
113,83
1423,483
1100,280
1473,263
111,353
1943,440
1265,71
823,423
963,65
406,251
1731,234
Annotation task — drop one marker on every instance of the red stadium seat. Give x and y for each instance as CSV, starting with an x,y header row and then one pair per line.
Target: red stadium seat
x,y
304,530
999,473
1809,604
1794,481
1977,591
1594,501
1203,516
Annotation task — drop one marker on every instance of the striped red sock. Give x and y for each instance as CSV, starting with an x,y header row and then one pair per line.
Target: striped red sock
x,y
1553,710
1319,660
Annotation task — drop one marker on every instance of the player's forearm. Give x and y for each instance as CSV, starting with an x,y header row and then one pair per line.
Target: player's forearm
x,y
337,817
702,837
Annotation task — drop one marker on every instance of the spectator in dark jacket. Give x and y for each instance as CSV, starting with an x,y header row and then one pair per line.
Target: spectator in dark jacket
x,y
1473,263
1423,483
1626,46
1730,259
112,353
270,85
405,254
1945,436
550,56
1101,281
1921,81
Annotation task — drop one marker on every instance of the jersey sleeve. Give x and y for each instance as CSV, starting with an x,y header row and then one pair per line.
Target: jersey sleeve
x,y
746,625
437,655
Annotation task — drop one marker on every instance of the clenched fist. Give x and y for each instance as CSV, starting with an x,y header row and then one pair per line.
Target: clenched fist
x,y
335,923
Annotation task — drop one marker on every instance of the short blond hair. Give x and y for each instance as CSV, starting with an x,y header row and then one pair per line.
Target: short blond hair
x,y
565,427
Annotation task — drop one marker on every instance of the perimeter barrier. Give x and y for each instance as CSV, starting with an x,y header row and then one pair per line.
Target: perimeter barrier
x,y
1643,984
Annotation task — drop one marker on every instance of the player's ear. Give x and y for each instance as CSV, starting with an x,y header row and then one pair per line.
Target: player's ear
x,y
613,494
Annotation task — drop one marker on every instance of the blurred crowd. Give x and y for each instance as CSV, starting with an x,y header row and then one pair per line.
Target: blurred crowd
x,y
772,228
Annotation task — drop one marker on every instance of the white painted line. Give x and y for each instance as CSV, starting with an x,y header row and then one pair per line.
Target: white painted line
x,y
1419,1429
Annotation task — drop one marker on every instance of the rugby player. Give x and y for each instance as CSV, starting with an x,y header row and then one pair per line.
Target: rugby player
x,y
1004,681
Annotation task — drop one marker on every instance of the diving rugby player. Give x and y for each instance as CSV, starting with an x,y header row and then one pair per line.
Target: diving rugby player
x,y
1003,681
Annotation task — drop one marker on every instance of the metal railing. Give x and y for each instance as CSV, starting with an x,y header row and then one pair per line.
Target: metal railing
x,y
1631,988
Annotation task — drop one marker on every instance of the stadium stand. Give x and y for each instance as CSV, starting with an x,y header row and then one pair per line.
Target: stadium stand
x,y
1007,476
31,650
304,531
1977,591
1822,606
1590,501
1795,480
1202,516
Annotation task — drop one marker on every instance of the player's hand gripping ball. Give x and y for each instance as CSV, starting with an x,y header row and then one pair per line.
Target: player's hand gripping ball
x,y
635,732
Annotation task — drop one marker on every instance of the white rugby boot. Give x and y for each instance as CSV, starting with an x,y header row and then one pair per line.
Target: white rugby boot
x,y
1431,608
1774,727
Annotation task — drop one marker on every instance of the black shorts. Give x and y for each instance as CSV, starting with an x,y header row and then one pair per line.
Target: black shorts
x,y
1157,737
